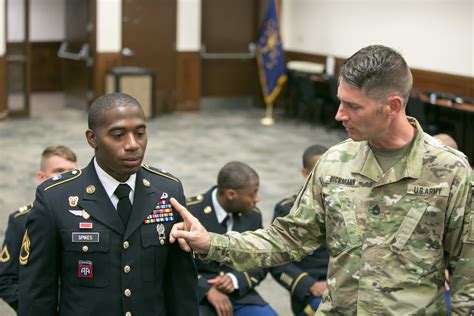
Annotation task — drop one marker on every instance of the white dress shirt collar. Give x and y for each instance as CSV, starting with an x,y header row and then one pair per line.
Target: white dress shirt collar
x,y
221,214
110,184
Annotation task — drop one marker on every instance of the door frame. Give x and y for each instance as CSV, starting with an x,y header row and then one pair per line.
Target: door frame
x,y
25,112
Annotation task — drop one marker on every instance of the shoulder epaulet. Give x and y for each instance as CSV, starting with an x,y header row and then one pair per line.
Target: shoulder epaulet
x,y
160,172
288,200
62,178
23,210
194,199
257,210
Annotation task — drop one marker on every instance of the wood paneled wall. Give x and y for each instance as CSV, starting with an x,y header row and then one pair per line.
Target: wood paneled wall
x,y
188,81
422,79
45,66
3,92
103,63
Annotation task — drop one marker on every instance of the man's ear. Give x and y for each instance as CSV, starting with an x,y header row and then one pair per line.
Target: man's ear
x,y
230,194
394,105
305,172
90,136
40,176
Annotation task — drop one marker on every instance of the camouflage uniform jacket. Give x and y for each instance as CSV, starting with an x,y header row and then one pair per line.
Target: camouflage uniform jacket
x,y
390,236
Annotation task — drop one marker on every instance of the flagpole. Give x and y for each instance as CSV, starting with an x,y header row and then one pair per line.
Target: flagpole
x,y
268,119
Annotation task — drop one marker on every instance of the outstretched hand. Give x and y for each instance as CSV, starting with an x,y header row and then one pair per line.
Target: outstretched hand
x,y
189,233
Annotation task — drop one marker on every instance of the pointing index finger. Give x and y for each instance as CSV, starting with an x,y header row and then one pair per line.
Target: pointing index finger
x,y
185,214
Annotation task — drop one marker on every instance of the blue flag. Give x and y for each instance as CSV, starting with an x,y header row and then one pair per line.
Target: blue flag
x,y
270,55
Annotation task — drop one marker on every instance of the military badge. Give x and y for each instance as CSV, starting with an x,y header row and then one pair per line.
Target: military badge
x,y
85,269
85,215
73,201
56,177
160,228
162,212
90,189
207,209
83,225
164,196
146,183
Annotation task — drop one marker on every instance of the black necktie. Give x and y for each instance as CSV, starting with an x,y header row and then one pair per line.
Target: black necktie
x,y
124,207
224,222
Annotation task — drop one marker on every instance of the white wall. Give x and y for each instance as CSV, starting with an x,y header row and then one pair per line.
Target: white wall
x,y
188,28
433,35
2,28
109,26
47,21
15,21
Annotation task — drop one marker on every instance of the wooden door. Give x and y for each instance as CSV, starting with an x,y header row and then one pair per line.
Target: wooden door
x,y
76,53
18,69
149,41
228,28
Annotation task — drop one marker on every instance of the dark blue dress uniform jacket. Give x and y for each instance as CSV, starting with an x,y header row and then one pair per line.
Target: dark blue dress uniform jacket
x,y
9,265
201,207
297,277
130,270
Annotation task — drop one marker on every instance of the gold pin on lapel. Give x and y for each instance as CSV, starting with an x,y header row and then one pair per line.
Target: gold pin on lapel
x,y
85,215
146,183
90,189
207,209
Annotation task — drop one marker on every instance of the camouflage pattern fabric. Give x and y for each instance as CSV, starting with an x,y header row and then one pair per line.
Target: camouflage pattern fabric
x,y
390,236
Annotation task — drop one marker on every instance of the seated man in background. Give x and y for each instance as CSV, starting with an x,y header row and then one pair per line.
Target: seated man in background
x,y
230,206
306,279
54,160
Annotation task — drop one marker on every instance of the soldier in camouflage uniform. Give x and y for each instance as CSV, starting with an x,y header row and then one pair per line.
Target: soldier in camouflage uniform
x,y
393,205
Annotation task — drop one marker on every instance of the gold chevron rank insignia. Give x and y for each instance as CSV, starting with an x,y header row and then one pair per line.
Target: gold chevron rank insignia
x,y
4,255
25,249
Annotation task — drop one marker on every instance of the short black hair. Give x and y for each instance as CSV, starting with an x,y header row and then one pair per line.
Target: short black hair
x,y
235,175
379,71
311,151
107,102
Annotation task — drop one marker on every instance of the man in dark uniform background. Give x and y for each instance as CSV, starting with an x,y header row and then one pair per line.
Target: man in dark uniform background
x,y
230,206
103,230
306,279
55,159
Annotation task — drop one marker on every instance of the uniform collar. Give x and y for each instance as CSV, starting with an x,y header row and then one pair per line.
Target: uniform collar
x,y
110,184
221,214
411,167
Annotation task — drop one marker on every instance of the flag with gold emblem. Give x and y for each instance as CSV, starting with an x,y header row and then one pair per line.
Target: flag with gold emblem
x,y
270,55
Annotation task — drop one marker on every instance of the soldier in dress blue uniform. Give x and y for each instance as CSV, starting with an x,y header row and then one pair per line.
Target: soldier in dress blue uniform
x,y
103,230
230,206
55,159
306,279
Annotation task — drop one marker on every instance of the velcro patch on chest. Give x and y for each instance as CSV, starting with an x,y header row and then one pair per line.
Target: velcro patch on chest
x,y
338,180
427,190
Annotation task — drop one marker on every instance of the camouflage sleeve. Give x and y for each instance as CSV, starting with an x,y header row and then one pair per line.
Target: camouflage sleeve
x,y
288,239
460,239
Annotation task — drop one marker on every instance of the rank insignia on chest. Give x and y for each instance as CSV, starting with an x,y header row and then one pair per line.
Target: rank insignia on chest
x,y
85,269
